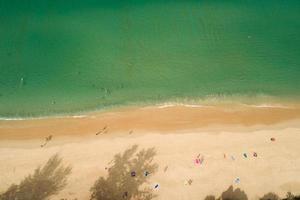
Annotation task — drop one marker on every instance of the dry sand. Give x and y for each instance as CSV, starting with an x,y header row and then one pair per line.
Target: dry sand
x,y
179,134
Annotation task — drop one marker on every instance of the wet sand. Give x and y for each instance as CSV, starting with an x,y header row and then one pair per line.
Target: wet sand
x,y
164,119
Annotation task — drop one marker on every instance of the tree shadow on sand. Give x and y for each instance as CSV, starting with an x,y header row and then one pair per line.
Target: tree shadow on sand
x,y
43,183
230,194
128,177
270,196
273,196
238,194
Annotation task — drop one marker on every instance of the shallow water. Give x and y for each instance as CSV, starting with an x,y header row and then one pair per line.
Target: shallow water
x,y
67,56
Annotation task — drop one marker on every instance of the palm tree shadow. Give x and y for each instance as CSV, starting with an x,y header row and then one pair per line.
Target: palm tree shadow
x,y
127,177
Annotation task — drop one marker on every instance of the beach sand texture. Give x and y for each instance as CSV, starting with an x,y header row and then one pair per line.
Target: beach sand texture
x,y
179,134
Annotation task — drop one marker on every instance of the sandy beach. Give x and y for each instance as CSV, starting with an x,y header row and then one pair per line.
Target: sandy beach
x,y
222,135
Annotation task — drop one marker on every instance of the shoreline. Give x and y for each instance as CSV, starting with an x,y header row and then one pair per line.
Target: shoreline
x,y
263,101
191,104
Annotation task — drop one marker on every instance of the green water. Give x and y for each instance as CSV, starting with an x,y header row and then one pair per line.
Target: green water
x,y
67,56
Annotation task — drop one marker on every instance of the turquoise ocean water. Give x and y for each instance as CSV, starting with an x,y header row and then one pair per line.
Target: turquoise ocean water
x,y
59,57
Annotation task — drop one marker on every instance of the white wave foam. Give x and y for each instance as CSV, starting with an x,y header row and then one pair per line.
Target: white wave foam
x,y
13,119
181,104
78,116
37,118
270,106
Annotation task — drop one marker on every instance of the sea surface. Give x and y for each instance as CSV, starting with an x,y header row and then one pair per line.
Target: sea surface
x,y
59,57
